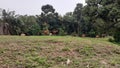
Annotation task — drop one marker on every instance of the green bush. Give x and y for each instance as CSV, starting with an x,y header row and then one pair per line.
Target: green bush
x,y
117,36
110,40
61,32
92,33
34,30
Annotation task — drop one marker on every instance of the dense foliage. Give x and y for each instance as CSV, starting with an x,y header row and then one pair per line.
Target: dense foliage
x,y
97,18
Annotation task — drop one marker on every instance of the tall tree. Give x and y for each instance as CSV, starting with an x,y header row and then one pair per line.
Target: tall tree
x,y
78,16
69,23
50,18
8,19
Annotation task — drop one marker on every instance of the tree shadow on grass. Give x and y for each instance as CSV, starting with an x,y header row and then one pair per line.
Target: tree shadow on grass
x,y
117,43
113,41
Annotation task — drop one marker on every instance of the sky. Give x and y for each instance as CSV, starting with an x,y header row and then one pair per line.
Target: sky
x,y
33,7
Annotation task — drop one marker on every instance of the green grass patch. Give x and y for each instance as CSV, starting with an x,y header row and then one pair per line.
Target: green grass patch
x,y
53,52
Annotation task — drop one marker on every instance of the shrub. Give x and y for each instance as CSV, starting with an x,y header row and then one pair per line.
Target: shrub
x,y
34,30
92,33
61,32
110,40
117,36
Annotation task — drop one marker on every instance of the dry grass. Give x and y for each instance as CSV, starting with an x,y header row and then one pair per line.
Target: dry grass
x,y
53,52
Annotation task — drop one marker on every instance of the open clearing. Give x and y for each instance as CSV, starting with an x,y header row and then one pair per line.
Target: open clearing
x,y
54,51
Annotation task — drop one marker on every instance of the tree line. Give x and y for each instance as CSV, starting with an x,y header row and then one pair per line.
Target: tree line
x,y
96,19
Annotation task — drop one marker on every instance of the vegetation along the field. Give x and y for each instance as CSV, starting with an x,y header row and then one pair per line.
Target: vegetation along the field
x,y
88,37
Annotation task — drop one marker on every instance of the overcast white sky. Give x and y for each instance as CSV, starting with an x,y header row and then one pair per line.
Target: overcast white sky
x,y
33,7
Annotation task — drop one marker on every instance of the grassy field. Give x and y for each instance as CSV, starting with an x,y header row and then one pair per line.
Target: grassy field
x,y
55,51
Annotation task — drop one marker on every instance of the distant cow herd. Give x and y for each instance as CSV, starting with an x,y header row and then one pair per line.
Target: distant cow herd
x,y
4,30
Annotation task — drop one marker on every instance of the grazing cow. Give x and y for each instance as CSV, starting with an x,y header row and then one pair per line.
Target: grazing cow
x,y
46,32
50,34
83,35
97,36
23,34
103,35
54,32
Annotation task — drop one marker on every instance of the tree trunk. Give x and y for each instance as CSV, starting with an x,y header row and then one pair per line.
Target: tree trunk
x,y
4,29
1,29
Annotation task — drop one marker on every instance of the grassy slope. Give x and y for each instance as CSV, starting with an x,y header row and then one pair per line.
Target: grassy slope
x,y
53,52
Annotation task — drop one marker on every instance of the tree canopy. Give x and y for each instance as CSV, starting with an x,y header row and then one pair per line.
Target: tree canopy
x,y
98,17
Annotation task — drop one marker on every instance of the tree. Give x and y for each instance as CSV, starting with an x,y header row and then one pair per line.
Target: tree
x,y
48,9
8,21
27,24
109,12
117,25
78,16
99,16
69,23
90,16
50,19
